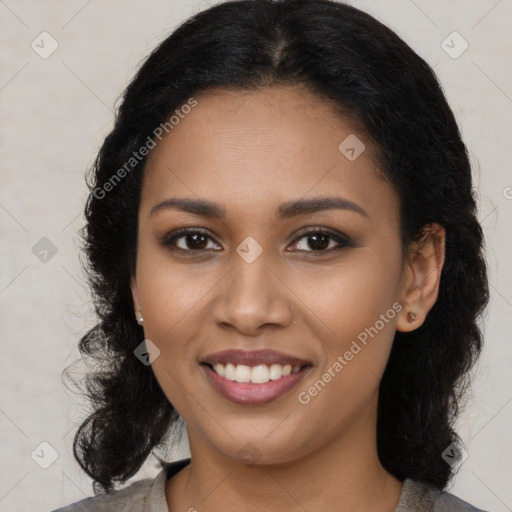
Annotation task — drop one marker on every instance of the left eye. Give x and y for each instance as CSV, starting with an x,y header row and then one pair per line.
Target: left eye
x,y
320,241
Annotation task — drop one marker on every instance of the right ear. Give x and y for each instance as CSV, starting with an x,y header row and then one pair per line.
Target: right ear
x,y
135,296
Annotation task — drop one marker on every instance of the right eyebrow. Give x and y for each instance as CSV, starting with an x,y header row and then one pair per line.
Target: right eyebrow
x,y
194,206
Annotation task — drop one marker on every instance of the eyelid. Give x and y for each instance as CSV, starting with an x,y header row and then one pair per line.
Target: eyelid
x,y
324,230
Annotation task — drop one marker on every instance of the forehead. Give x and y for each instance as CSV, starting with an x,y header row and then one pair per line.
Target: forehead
x,y
256,147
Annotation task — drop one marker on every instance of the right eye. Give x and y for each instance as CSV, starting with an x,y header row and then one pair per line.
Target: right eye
x,y
188,240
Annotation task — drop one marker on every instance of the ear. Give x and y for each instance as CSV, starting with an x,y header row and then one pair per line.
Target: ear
x,y
135,297
421,277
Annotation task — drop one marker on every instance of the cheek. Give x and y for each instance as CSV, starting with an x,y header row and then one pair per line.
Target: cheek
x,y
172,320
170,293
347,297
359,309
173,299
356,302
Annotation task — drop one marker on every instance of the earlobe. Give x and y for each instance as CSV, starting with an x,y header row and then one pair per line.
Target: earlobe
x,y
421,278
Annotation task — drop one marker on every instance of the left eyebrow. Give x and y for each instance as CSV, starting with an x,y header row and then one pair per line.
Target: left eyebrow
x,y
316,204
285,210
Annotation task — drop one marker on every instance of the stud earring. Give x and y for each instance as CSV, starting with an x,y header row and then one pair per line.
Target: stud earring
x,y
139,319
411,317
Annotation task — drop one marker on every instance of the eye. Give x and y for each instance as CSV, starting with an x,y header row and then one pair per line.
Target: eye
x,y
321,240
189,240
318,240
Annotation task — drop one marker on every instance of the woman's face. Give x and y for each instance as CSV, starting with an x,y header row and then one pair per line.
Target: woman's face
x,y
308,318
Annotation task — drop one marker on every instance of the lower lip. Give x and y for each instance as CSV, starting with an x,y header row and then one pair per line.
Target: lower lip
x,y
249,393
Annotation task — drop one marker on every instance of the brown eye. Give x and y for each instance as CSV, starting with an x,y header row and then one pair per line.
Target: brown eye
x,y
189,240
321,240
193,241
318,241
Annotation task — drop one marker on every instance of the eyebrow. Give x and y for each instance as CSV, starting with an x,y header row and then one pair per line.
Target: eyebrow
x,y
285,210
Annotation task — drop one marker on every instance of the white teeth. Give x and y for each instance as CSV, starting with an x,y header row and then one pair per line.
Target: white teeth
x,y
276,371
260,374
219,369
256,374
229,371
242,373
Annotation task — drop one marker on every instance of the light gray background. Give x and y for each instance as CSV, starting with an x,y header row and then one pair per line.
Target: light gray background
x,y
54,114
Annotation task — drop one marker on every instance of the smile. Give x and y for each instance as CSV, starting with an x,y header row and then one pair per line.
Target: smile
x,y
253,378
256,374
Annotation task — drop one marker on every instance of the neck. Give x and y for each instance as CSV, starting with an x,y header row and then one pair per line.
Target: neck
x,y
345,474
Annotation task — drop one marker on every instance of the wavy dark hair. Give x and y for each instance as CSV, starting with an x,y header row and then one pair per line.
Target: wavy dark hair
x,y
377,82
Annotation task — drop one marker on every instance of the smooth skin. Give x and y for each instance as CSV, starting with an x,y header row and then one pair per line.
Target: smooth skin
x,y
251,151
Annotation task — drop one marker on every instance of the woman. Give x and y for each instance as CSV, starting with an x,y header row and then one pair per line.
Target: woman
x,y
284,252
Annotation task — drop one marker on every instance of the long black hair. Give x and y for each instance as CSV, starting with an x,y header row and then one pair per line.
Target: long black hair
x,y
380,84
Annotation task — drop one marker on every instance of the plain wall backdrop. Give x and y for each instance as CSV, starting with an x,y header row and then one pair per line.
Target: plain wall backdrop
x,y
63,66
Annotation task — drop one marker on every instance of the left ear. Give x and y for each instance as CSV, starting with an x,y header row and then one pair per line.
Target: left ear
x,y
421,277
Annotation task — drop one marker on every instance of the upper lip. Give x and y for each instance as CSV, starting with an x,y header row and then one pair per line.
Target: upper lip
x,y
253,358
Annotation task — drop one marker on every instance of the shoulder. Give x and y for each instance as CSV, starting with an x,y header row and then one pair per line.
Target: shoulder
x,y
419,496
134,497
146,495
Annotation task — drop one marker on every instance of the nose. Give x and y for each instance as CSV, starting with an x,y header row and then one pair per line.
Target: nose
x,y
252,295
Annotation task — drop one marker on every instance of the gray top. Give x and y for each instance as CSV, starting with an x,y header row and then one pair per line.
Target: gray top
x,y
148,495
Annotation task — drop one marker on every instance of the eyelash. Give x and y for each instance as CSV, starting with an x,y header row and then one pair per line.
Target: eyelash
x,y
343,241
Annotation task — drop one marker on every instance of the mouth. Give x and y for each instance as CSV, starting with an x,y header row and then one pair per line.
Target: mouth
x,y
253,378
